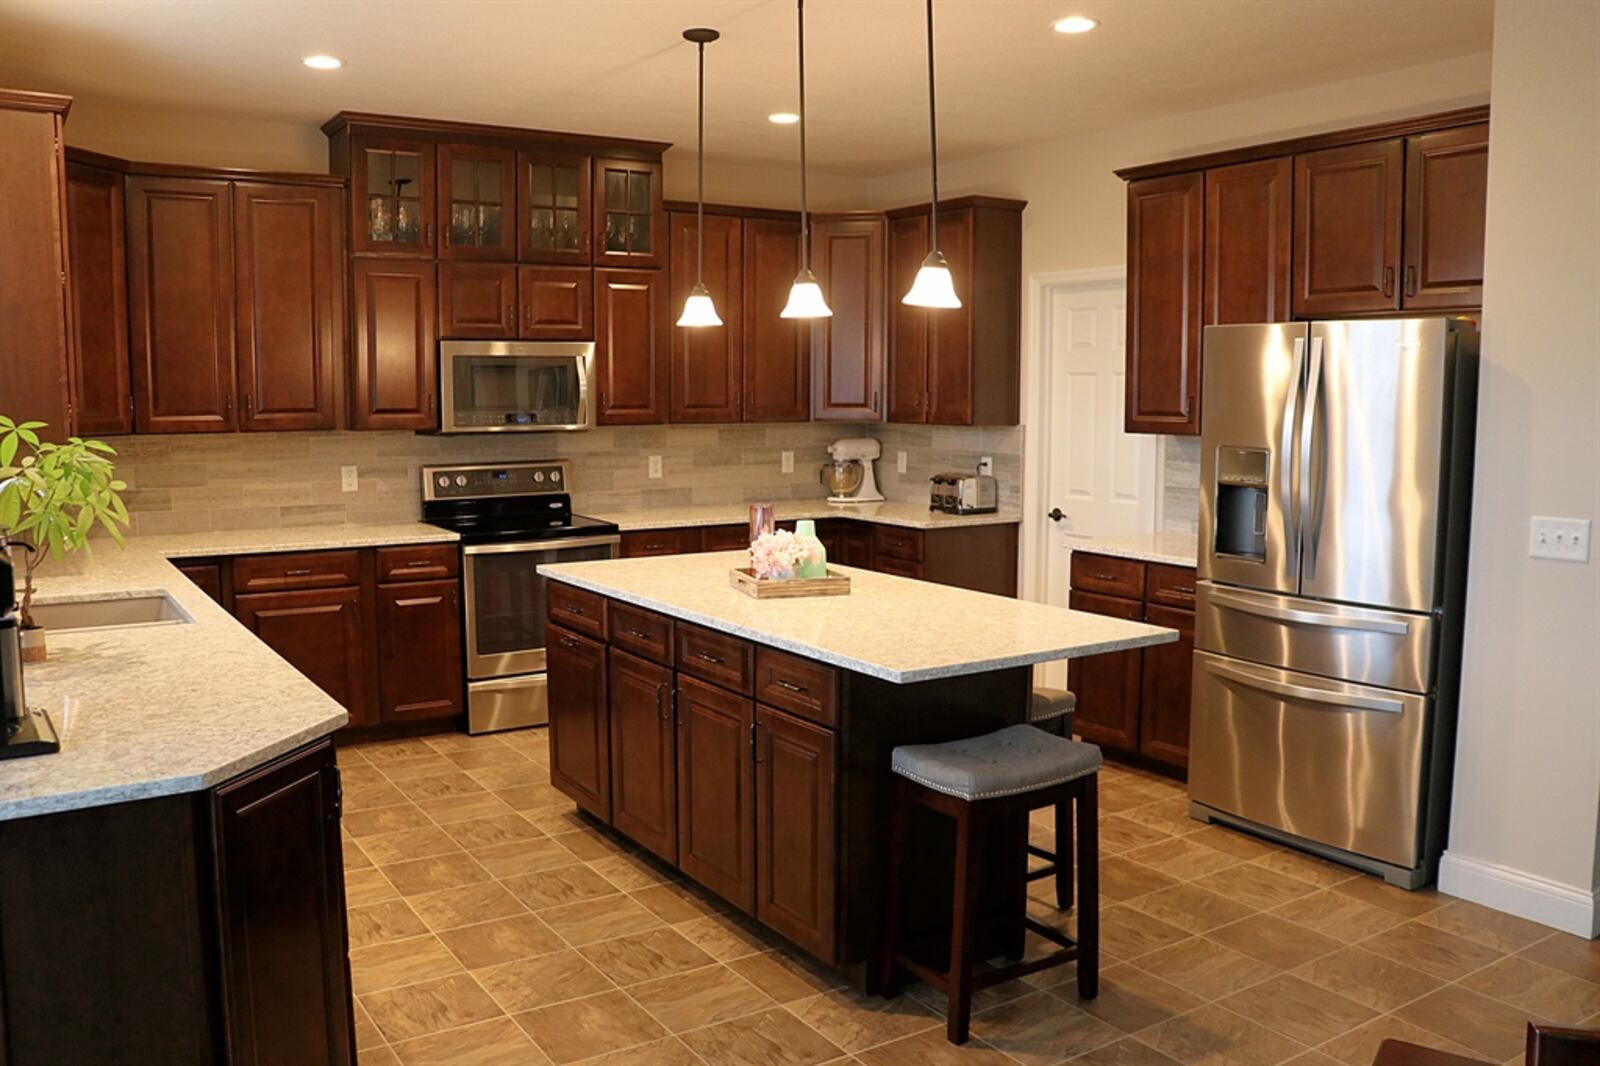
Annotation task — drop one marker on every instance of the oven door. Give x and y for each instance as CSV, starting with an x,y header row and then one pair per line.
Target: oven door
x,y
510,386
505,600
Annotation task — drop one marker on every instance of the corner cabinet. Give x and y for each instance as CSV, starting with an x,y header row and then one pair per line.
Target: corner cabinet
x,y
97,218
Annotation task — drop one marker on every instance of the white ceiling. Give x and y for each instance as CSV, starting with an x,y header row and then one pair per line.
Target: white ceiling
x,y
620,67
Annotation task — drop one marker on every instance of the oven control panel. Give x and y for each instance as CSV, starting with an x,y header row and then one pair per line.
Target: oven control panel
x,y
505,479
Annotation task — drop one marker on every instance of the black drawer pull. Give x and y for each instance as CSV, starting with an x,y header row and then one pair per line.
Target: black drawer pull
x,y
708,657
785,683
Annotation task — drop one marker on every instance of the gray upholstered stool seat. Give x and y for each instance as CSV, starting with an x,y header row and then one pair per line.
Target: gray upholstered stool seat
x,y
1049,703
1007,762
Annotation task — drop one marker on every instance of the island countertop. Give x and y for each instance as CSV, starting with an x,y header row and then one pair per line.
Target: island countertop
x,y
894,628
166,709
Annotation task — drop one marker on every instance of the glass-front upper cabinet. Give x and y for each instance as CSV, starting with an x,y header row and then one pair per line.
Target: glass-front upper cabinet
x,y
554,191
630,225
477,202
391,185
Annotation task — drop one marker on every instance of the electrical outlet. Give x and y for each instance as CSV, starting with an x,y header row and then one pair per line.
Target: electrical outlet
x,y
655,466
986,465
1566,539
347,478
900,462
788,462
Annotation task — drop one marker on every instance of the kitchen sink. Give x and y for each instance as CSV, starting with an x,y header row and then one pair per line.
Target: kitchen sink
x,y
122,613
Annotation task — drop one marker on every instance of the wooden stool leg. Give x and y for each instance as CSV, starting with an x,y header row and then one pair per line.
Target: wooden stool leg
x,y
883,973
1088,887
1064,856
962,929
1015,842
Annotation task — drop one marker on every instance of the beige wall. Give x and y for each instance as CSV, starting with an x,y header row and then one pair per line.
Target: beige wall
x,y
1527,787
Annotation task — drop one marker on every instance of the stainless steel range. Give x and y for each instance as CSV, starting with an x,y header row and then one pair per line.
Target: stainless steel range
x,y
512,518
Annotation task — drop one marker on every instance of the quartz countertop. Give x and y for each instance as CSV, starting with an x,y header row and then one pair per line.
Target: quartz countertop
x,y
167,709
1174,549
894,628
904,513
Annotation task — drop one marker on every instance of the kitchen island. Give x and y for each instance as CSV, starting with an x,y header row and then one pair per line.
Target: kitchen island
x,y
747,742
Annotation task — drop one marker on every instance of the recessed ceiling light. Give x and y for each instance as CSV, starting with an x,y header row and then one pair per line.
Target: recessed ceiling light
x,y
1075,24
322,62
783,118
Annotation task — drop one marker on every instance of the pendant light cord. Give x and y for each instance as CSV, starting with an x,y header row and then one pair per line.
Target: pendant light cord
x,y
700,196
933,136
805,218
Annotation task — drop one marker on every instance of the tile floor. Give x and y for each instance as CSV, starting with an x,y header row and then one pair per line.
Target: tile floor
x,y
492,925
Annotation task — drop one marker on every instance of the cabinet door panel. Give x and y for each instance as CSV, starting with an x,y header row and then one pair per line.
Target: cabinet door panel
x,y
630,225
795,852
643,754
285,976
716,809
319,632
419,650
477,202
1107,686
181,302
396,352
289,281
1165,229
950,352
478,300
580,737
908,326
1249,218
1347,229
631,346
97,225
391,197
553,198
847,350
557,303
708,361
777,351
1164,704
1446,193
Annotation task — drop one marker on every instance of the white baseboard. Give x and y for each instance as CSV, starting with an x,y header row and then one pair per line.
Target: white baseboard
x,y
1566,907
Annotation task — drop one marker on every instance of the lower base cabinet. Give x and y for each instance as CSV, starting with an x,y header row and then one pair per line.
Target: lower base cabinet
x,y
716,808
795,845
319,631
644,802
419,647
580,754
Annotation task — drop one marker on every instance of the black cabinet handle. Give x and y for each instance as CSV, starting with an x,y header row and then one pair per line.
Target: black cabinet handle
x,y
785,683
661,710
1388,281
754,748
708,657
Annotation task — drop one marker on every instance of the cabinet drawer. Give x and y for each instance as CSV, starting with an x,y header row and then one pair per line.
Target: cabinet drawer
x,y
638,542
576,609
645,633
800,686
1171,585
717,657
419,562
296,570
897,543
725,538
898,567
1108,575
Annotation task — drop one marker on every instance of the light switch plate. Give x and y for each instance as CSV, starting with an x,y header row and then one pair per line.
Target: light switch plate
x,y
900,462
655,466
348,479
788,462
986,465
1566,539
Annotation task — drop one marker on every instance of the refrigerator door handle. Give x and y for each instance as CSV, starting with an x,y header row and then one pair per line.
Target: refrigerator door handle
x,y
1309,618
1308,422
1287,468
1305,694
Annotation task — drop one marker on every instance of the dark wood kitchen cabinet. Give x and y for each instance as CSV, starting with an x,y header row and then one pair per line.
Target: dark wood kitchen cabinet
x,y
847,350
632,346
97,223
643,753
1249,220
580,734
1165,685
477,300
958,366
477,202
777,353
794,816
1447,176
716,801
707,361
395,359
1166,225
1347,206
392,193
319,631
630,224
554,195
557,303
419,650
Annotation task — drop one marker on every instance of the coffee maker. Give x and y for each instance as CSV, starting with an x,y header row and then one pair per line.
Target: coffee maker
x,y
23,731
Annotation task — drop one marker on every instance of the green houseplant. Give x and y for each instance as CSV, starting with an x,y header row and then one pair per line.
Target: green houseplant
x,y
51,498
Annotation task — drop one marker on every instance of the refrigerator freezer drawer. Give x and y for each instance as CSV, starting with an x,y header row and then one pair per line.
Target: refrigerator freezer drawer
x,y
1337,764
1389,649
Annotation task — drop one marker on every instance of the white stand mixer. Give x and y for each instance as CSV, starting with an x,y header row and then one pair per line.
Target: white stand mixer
x,y
849,477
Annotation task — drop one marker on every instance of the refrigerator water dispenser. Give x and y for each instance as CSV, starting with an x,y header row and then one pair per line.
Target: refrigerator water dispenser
x,y
1241,503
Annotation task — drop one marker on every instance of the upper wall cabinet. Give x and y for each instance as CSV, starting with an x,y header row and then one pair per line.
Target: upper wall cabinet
x,y
1248,226
1165,227
477,202
554,190
1347,229
391,196
1446,184
96,216
630,227
708,361
394,365
632,348
847,350
777,357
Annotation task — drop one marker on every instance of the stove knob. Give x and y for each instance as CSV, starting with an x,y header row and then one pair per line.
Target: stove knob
x,y
555,475
461,480
444,481
538,475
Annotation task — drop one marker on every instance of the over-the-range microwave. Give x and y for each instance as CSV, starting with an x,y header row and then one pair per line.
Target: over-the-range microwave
x,y
515,386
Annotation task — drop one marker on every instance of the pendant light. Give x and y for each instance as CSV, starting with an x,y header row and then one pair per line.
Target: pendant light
x,y
698,310
933,287
805,295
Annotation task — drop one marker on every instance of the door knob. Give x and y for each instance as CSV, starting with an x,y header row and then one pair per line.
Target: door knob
x,y
1055,514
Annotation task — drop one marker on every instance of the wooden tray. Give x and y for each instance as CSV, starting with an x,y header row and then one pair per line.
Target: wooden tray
x,y
745,580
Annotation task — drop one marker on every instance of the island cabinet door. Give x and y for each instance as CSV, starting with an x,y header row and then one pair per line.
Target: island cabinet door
x,y
319,632
643,754
1107,686
716,815
795,854
285,975
580,750
1168,673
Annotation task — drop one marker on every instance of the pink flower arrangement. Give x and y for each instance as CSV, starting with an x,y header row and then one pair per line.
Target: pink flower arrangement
x,y
777,556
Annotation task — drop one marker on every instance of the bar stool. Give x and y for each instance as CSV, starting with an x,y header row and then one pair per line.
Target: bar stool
x,y
981,782
1054,706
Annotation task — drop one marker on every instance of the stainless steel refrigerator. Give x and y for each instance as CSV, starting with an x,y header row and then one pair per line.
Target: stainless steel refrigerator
x,y
1336,474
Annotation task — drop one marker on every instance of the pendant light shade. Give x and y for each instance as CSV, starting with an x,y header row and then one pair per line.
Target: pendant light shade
x,y
805,295
699,310
933,285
